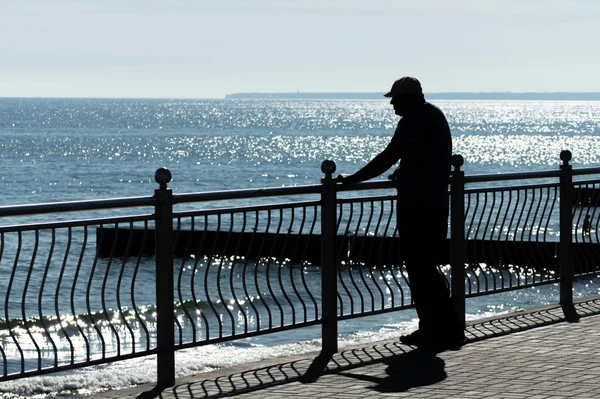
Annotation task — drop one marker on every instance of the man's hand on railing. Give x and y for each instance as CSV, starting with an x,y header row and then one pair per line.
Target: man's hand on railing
x,y
345,179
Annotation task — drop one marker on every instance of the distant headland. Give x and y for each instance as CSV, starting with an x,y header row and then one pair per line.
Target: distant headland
x,y
557,96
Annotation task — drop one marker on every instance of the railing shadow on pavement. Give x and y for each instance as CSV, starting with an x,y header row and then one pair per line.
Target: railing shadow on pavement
x,y
305,370
531,318
406,367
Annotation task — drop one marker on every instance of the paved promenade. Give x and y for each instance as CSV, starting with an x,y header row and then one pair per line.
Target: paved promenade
x,y
534,354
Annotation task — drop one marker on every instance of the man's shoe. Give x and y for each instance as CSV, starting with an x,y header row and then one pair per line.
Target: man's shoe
x,y
416,338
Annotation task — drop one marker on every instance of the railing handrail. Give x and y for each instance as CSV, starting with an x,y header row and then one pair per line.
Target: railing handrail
x,y
511,176
488,189
74,206
246,193
586,171
76,223
527,175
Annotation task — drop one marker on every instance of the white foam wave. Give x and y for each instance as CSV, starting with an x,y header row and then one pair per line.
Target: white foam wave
x,y
124,374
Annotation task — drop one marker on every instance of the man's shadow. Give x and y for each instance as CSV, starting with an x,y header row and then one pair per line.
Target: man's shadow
x,y
406,371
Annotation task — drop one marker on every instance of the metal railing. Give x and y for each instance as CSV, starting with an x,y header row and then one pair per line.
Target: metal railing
x,y
93,290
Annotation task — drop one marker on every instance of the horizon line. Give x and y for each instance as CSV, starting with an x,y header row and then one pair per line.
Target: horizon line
x,y
334,94
477,95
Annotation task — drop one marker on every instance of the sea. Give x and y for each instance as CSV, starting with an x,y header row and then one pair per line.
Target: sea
x,y
55,149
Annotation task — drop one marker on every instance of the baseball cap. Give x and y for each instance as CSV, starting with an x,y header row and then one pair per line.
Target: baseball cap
x,y
405,85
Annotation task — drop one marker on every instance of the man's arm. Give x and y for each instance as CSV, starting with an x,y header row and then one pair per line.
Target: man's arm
x,y
382,162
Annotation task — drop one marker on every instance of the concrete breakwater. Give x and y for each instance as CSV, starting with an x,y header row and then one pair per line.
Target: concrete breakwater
x,y
306,248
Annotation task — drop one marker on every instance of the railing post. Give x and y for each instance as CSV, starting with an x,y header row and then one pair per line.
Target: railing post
x,y
566,237
165,359
457,237
329,331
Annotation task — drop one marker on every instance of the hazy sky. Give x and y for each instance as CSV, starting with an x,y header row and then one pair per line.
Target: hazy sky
x,y
209,48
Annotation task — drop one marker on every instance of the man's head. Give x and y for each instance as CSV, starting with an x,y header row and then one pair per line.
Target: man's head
x,y
406,95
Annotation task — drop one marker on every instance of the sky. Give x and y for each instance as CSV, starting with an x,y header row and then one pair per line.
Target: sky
x,y
210,48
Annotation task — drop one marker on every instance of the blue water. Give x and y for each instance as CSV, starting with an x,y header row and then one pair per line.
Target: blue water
x,y
67,149
70,149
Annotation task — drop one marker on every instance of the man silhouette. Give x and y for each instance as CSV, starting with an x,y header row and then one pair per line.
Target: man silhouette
x,y
423,144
